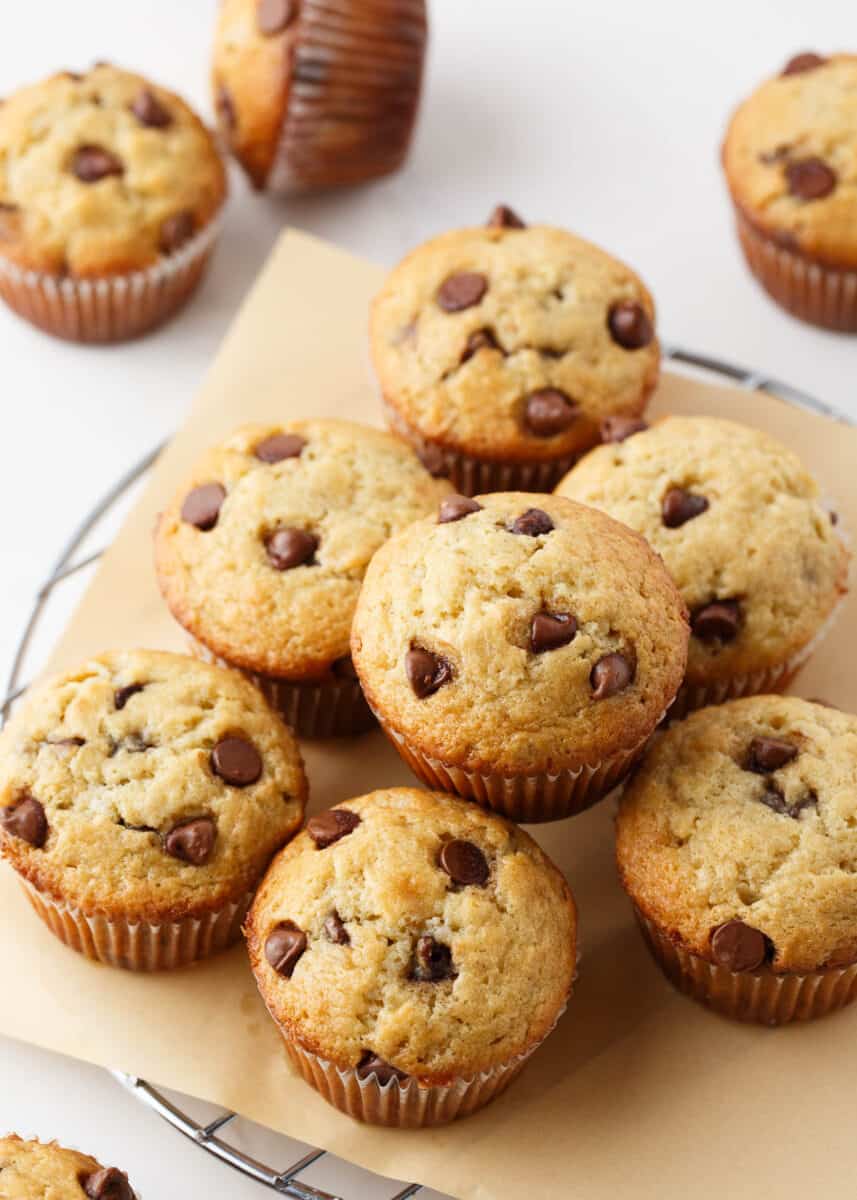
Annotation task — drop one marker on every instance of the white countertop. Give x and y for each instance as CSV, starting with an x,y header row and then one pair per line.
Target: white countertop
x,y
605,118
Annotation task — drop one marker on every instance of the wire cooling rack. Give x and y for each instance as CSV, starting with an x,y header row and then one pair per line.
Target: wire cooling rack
x,y
210,1133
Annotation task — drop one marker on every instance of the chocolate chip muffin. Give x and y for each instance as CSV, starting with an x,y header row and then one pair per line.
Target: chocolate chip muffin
x,y
790,157
110,191
737,844
738,522
414,951
500,351
141,799
519,650
45,1171
261,554
313,95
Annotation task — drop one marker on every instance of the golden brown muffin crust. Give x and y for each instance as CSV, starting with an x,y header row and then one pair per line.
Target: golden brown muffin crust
x,y
469,591
764,540
801,117
541,317
348,486
511,939
706,835
121,752
102,173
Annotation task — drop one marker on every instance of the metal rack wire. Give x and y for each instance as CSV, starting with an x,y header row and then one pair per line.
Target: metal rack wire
x,y
209,1135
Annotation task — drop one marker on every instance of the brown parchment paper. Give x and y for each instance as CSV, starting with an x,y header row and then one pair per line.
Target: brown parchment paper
x,y
639,1092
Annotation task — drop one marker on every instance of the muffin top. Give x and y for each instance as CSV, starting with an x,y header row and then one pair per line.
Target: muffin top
x,y
415,929
519,633
513,343
791,158
102,173
45,1171
745,815
262,551
147,783
738,522
312,94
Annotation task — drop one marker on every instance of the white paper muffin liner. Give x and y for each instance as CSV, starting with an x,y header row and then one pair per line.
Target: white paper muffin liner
x,y
473,476
756,683
822,295
113,308
762,995
527,799
140,945
331,708
406,1104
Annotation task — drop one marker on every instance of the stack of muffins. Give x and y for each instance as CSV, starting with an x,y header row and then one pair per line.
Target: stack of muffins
x,y
534,593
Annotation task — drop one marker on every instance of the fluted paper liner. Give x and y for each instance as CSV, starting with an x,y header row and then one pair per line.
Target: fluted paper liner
x,y
140,945
633,1062
762,996
807,289
114,308
329,708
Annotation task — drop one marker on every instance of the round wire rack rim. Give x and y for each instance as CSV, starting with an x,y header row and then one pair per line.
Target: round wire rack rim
x,y
207,1136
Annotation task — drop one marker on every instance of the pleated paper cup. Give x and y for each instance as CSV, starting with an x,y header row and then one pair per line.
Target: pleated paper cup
x,y
527,799
762,996
114,308
330,708
816,293
406,1104
140,945
473,476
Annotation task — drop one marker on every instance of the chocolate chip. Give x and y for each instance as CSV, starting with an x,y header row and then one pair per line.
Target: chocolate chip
x,y
26,820
549,631
716,622
455,508
284,946
769,754
280,446
810,178
504,217
461,291
272,16
202,506
617,429
343,668
225,106
8,208
807,61
335,931
93,163
432,961
630,325
464,863
771,157
134,743
373,1064
122,695
774,797
68,744
678,507
328,827
176,231
149,111
434,460
532,523
482,339
237,761
108,1184
288,548
548,412
834,517
738,946
611,674
426,672
192,841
